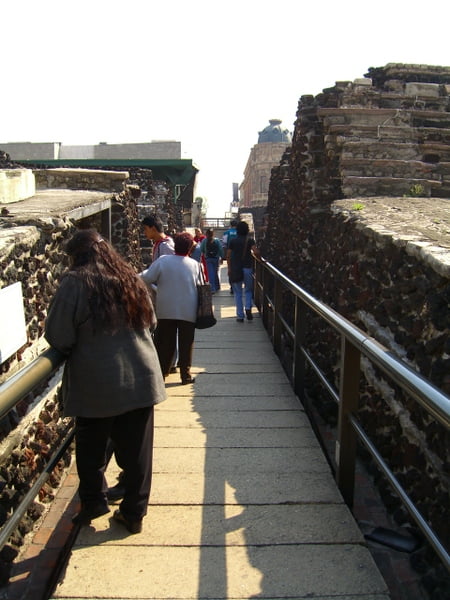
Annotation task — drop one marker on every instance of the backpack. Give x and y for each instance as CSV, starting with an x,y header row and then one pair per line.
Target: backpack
x,y
211,249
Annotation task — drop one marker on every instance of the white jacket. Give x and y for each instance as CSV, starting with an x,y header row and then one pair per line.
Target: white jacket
x,y
176,279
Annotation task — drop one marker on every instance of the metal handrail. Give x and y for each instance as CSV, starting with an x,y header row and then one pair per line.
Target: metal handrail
x,y
429,396
12,523
12,392
269,285
14,389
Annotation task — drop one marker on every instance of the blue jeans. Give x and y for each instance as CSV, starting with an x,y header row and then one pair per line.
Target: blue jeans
x,y
212,264
248,293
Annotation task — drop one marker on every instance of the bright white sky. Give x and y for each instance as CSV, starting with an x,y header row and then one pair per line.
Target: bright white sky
x,y
206,73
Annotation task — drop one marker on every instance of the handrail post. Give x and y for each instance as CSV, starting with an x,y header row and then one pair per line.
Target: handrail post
x,y
298,363
265,302
346,436
277,309
257,284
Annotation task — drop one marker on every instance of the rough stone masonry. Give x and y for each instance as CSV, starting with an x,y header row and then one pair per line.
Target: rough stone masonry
x,y
359,216
32,234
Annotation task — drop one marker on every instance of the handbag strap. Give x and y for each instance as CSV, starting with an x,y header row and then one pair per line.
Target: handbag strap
x,y
201,276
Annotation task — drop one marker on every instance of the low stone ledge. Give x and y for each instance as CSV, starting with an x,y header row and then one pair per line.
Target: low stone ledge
x,y
81,179
51,205
420,225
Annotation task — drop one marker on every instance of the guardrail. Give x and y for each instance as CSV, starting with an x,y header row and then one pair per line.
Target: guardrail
x,y
12,392
271,290
215,223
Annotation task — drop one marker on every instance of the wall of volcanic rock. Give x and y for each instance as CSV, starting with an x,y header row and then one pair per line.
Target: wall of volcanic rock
x,y
32,252
358,215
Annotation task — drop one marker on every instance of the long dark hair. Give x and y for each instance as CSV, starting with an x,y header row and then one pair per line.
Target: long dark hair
x,y
117,295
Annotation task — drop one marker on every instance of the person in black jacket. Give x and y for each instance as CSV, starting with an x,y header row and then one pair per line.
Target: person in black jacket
x,y
240,270
212,250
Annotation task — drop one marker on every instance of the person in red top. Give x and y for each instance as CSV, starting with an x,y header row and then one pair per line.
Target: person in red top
x,y
198,237
154,231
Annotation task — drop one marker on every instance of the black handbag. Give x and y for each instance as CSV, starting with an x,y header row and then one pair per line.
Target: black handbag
x,y
205,312
237,270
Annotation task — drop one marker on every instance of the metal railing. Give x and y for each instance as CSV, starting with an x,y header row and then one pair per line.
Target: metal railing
x,y
11,393
215,223
271,290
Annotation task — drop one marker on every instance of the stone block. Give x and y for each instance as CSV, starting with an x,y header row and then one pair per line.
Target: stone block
x,y
430,90
16,184
364,81
394,85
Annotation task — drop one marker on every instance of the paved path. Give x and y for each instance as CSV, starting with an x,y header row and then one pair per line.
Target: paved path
x,y
243,502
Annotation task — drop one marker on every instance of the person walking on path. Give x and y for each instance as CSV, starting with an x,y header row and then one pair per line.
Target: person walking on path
x,y
240,270
176,277
226,238
101,319
198,238
211,249
154,231
229,235
199,235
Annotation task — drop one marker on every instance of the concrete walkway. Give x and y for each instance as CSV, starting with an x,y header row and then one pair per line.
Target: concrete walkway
x,y
243,502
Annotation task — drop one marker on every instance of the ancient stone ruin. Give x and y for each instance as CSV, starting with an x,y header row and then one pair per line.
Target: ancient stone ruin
x,y
359,216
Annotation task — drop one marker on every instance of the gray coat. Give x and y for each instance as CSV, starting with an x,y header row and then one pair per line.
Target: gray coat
x,y
105,374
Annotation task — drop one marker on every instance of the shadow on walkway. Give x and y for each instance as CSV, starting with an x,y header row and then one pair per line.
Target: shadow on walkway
x,y
243,502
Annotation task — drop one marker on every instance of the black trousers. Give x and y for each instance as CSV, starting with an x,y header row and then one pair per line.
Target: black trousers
x,y
132,436
166,343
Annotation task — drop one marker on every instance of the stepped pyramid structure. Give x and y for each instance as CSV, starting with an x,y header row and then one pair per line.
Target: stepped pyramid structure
x,y
359,216
387,134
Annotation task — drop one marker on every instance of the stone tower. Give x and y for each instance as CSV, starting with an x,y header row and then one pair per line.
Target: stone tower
x,y
272,142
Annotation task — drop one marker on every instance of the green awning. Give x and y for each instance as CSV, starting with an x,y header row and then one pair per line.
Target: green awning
x,y
175,171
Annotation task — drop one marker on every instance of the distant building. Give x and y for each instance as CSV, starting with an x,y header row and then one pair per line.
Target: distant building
x,y
56,151
272,142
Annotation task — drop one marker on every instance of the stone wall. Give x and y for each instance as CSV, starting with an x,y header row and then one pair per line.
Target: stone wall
x,y
80,179
30,432
358,215
31,251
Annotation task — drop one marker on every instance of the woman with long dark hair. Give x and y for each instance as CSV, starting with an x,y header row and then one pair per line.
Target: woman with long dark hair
x,y
101,318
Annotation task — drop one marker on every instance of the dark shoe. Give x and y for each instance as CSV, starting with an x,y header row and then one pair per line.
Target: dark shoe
x,y
131,526
240,320
173,369
248,312
187,380
86,514
116,492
